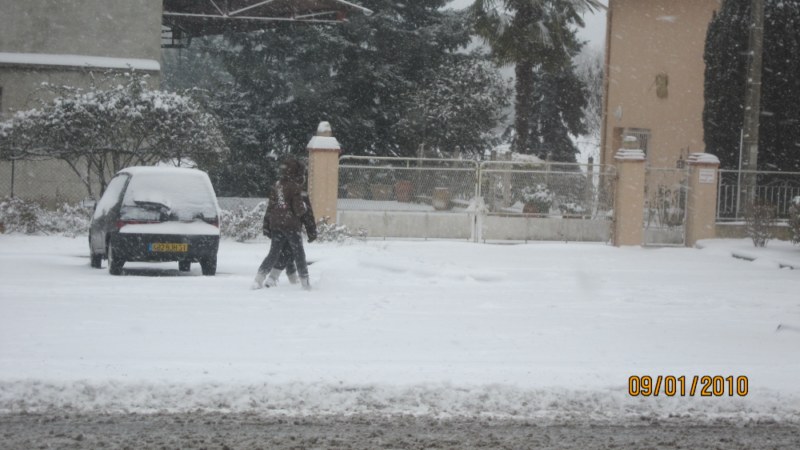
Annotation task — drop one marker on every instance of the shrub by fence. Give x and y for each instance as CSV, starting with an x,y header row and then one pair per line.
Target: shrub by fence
x,y
23,216
240,223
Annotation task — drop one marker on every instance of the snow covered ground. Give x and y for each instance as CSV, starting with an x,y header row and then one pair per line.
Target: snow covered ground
x,y
549,331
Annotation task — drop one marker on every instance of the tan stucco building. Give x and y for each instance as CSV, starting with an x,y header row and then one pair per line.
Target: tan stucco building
x,y
654,77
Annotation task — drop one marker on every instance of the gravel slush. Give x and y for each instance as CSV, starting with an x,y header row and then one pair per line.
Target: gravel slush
x,y
213,430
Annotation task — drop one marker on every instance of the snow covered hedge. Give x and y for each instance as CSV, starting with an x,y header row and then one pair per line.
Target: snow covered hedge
x,y
241,224
119,122
20,216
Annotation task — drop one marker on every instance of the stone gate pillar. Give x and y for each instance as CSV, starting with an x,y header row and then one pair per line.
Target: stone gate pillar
x,y
323,172
629,194
701,201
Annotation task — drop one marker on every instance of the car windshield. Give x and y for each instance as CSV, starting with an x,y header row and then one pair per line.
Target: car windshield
x,y
177,194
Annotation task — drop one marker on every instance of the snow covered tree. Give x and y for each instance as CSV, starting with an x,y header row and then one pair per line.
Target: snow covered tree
x,y
107,129
590,70
725,78
537,36
726,59
443,114
559,99
248,169
362,76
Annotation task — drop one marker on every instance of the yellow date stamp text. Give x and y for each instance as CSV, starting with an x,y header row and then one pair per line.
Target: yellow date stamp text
x,y
682,386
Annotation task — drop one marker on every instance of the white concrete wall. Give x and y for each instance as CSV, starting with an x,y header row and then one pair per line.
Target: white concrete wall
x,y
409,224
460,226
545,229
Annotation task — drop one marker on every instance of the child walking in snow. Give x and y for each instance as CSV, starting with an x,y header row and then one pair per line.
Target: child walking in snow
x,y
286,259
284,211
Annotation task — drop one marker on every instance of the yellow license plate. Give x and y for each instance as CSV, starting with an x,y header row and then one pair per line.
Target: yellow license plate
x,y
169,247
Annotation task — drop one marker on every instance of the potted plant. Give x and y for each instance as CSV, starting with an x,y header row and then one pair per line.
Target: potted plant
x,y
403,190
572,210
537,199
441,199
381,184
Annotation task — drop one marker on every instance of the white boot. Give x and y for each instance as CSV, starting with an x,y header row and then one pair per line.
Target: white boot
x,y
305,283
293,278
258,282
272,279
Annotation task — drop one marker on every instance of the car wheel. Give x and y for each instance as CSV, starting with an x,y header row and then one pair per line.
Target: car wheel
x,y
96,260
184,266
115,261
209,265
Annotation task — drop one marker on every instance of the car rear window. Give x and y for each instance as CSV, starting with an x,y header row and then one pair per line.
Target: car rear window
x,y
185,195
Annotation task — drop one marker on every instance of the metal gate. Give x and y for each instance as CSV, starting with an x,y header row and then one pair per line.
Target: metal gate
x,y
664,218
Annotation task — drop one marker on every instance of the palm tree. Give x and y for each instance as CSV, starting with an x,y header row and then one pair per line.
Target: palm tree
x,y
529,33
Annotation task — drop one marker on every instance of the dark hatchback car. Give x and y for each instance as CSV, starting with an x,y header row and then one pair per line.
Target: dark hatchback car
x,y
156,214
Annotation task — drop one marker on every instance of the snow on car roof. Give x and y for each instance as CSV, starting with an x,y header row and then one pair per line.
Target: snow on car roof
x,y
161,169
186,191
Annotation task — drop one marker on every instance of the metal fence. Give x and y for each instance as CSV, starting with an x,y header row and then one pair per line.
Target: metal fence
x,y
406,184
737,189
503,187
547,189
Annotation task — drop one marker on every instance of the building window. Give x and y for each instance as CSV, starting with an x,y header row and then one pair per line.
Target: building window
x,y
642,135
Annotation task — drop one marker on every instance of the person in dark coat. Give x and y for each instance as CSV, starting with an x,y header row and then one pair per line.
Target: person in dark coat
x,y
286,259
284,212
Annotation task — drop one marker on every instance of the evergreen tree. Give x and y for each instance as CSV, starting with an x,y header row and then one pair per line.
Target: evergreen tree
x,y
726,62
247,170
725,79
388,83
590,70
557,113
445,114
363,75
537,37
780,117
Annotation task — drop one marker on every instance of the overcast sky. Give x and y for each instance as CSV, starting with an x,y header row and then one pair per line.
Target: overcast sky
x,y
595,31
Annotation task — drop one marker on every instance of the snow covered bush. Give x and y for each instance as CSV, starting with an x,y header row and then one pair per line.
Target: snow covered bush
x,y
242,223
760,221
537,198
794,220
19,216
23,216
572,208
332,232
109,128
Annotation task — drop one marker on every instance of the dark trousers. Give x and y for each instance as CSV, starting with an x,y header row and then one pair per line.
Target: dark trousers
x,y
286,260
291,241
